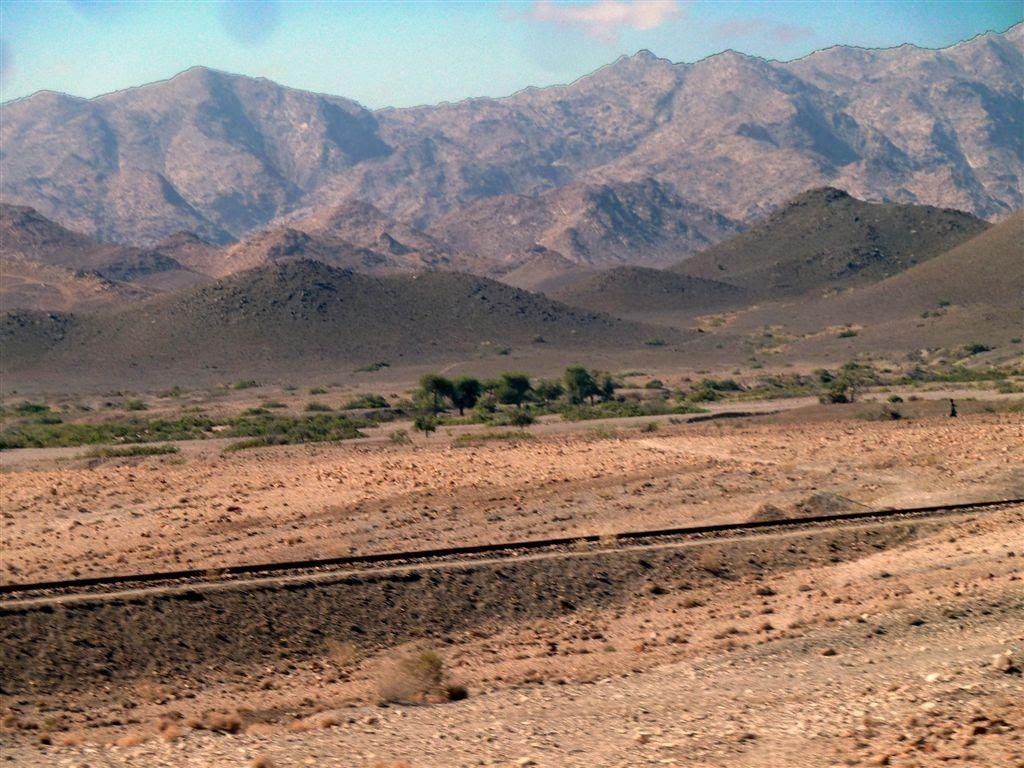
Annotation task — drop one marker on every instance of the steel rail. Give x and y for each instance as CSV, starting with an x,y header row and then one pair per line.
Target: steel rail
x,y
253,569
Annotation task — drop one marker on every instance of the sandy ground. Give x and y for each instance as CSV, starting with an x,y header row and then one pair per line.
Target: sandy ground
x,y
205,508
886,659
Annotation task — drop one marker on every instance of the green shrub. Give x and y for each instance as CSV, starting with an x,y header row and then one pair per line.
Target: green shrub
x,y
245,384
373,367
273,404
132,450
366,402
621,409
318,391
655,342
317,407
27,409
520,418
976,348
425,423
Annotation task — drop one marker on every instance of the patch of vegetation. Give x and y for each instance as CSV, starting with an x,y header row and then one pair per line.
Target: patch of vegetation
x,y
365,402
28,409
976,348
486,437
316,407
613,409
318,391
283,429
273,404
255,412
254,442
245,384
425,423
399,437
655,342
847,333
885,413
47,435
373,367
132,450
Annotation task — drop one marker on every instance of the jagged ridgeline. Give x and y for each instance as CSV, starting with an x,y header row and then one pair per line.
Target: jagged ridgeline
x,y
731,136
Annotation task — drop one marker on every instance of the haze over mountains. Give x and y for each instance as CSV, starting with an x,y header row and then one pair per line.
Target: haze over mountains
x,y
218,226
702,147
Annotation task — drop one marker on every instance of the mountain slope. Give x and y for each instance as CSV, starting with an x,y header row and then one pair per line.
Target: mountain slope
x,y
301,316
649,294
45,266
641,222
826,240
205,152
971,294
223,155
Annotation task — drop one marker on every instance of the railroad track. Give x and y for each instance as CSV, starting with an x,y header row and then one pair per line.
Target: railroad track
x,y
11,593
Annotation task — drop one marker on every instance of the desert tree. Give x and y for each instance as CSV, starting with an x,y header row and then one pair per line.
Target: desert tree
x,y
580,384
548,390
436,389
465,393
425,423
513,388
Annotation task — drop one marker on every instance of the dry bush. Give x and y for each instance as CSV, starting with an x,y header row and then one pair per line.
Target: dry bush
x,y
71,739
262,762
417,678
341,655
315,722
151,690
131,740
219,722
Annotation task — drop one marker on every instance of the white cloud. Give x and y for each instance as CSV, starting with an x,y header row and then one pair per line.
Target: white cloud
x,y
605,18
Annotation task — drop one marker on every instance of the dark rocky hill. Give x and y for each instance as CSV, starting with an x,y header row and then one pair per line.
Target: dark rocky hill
x,y
299,316
825,240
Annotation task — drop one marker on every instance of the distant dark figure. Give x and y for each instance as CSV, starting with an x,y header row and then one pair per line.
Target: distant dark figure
x,y
952,409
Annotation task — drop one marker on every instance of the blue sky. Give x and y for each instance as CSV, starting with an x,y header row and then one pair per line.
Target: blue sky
x,y
404,53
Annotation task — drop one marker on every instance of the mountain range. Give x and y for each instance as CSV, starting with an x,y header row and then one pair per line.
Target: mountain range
x,y
643,161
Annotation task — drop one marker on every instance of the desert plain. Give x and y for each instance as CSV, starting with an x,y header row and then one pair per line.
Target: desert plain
x,y
894,643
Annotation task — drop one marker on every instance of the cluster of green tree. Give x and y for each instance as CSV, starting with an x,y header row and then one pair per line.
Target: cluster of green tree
x,y
578,385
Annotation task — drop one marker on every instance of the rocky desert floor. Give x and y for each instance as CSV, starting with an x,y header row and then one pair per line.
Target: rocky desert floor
x,y
205,508
904,654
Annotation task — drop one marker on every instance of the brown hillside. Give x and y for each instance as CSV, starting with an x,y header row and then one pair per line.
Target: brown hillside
x,y
302,315
642,293
635,222
827,240
971,294
46,266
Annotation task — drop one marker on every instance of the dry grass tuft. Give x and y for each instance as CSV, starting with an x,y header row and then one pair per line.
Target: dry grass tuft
x,y
218,722
418,678
341,655
131,740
